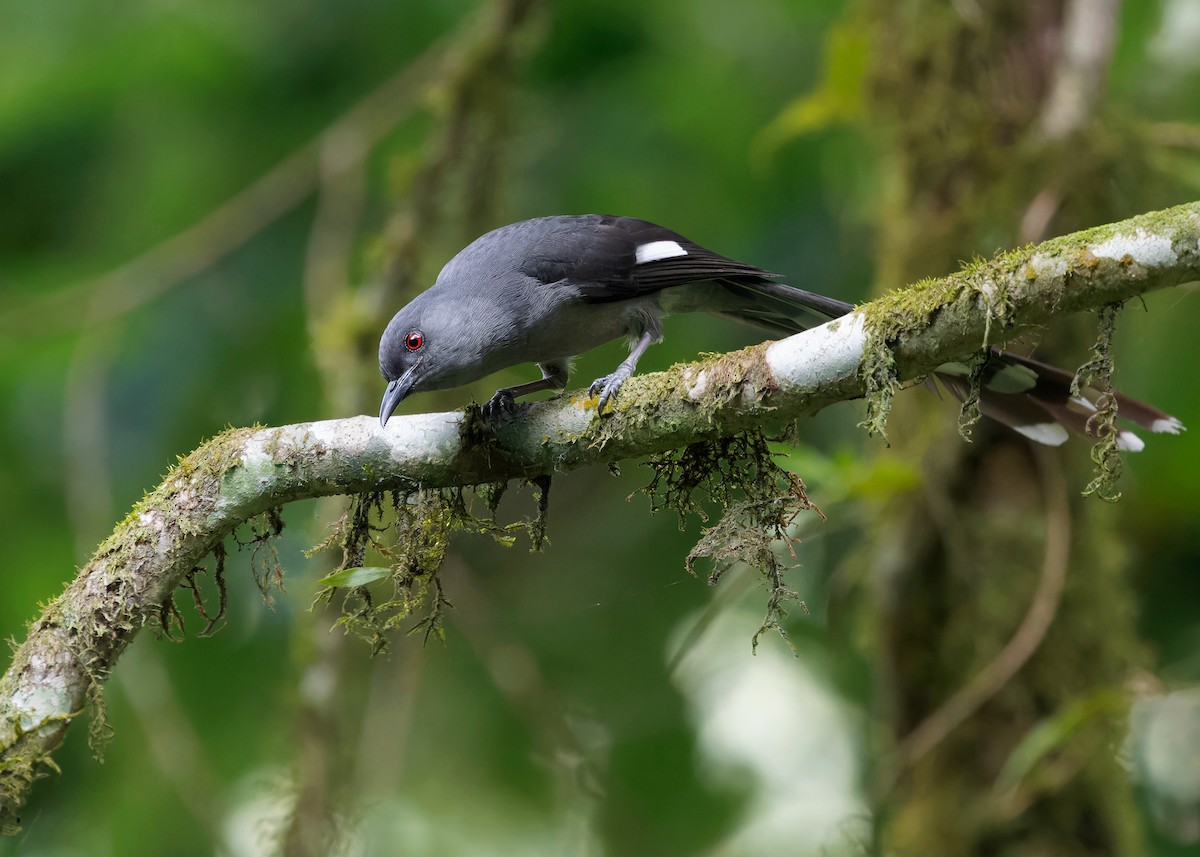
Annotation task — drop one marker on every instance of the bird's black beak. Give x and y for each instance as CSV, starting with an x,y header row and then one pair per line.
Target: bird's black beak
x,y
394,395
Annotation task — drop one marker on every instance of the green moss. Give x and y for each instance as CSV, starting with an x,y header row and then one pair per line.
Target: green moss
x,y
1097,374
536,526
1178,222
215,456
969,414
90,630
878,372
672,398
99,731
888,321
423,522
758,501
492,493
18,772
412,534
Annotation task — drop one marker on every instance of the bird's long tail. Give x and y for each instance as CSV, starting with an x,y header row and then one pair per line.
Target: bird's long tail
x,y
1028,396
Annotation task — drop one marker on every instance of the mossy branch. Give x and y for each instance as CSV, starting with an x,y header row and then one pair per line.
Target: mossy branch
x,y
73,645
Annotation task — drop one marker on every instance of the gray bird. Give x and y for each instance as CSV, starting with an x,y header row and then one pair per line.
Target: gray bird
x,y
542,291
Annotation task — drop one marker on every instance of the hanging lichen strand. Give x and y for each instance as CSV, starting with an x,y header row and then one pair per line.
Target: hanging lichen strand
x,y
758,500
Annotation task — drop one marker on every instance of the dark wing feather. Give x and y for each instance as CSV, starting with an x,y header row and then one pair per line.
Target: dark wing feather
x,y
581,250
698,265
598,254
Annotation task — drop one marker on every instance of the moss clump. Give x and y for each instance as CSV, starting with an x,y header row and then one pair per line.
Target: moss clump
x,y
969,414
412,533
100,733
891,320
536,526
670,400
758,500
17,775
902,314
1097,373
355,532
878,372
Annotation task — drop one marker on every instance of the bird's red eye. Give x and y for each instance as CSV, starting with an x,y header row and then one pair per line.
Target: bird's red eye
x,y
414,340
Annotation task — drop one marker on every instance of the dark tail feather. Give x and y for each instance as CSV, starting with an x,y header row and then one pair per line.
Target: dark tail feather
x,y
1041,420
1055,384
1028,396
1035,399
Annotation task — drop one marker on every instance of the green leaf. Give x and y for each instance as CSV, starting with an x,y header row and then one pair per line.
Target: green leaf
x,y
355,576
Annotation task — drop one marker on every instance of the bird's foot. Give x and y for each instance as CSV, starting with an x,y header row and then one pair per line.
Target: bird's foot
x,y
501,406
608,386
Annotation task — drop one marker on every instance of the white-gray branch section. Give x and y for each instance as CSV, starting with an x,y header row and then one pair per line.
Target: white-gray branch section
x,y
73,645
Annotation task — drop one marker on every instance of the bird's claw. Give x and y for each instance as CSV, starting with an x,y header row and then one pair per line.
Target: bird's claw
x,y
500,406
608,386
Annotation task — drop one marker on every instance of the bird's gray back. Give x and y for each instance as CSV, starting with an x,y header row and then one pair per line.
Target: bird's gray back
x,y
514,316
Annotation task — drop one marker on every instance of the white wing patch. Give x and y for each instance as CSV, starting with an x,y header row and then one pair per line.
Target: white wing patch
x,y
656,251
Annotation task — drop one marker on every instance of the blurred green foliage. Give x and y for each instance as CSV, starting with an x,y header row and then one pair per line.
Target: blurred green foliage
x,y
585,696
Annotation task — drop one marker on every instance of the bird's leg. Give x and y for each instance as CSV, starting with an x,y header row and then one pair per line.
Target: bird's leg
x,y
608,385
554,377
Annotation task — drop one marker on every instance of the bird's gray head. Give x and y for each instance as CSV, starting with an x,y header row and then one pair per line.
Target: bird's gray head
x,y
431,344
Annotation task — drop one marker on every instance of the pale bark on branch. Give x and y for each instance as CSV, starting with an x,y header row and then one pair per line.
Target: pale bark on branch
x,y
73,645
